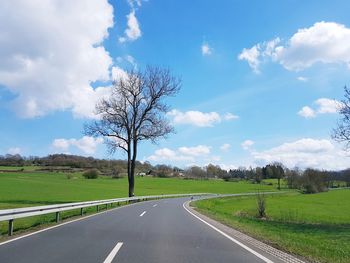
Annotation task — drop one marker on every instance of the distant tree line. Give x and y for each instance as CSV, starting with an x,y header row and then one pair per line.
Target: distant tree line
x,y
307,181
70,162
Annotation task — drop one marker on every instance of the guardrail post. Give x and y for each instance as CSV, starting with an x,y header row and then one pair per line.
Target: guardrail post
x,y
57,217
97,208
106,206
81,211
10,227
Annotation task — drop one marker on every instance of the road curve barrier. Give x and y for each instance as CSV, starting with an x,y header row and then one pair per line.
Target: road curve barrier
x,y
11,214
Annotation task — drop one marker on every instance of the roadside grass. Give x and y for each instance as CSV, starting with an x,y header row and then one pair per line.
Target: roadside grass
x,y
21,189
316,226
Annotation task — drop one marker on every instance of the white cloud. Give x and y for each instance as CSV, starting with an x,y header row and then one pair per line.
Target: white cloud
x,y
247,144
304,153
251,55
195,151
132,32
307,112
14,150
324,42
50,53
258,52
198,118
86,144
229,116
167,154
228,167
206,49
327,105
131,60
323,106
134,3
118,73
303,79
225,147
181,154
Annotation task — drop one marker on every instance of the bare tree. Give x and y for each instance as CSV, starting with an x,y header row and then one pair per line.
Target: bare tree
x,y
134,112
342,132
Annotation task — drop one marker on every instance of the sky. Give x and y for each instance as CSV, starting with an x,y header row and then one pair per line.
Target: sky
x,y
261,80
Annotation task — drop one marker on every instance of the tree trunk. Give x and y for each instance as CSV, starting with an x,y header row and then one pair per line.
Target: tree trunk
x,y
132,170
131,185
131,180
279,184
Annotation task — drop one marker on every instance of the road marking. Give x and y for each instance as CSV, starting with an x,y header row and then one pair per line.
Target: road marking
x,y
113,253
144,212
155,205
229,237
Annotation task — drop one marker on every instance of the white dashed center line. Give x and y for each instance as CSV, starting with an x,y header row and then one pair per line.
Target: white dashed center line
x,y
144,212
113,253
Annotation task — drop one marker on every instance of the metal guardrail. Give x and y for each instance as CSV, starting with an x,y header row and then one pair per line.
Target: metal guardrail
x,y
12,214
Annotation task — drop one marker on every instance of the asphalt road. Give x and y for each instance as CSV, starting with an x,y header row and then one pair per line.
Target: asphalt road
x,y
150,232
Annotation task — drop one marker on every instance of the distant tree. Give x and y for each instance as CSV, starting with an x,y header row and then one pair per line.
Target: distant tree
x,y
135,112
196,172
237,173
293,177
215,171
274,170
342,132
162,170
313,181
258,174
345,175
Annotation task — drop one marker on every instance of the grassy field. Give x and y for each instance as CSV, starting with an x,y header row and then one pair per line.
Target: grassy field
x,y
19,168
31,188
315,226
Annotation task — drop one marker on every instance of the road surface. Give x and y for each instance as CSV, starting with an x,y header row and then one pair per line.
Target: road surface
x,y
150,232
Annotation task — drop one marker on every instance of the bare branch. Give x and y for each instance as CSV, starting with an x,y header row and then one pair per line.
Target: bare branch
x,y
342,132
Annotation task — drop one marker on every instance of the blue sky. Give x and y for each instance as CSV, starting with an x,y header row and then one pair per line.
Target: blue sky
x,y
260,79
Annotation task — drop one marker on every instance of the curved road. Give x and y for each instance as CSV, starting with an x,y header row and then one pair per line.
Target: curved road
x,y
150,232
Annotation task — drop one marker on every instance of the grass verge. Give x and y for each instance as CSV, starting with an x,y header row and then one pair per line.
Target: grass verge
x,y
316,226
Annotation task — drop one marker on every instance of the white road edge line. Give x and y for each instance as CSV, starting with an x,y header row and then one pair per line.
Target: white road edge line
x,y
229,237
154,205
113,253
144,212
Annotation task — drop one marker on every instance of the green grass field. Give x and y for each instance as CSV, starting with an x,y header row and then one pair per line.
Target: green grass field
x,y
19,189
316,226
19,168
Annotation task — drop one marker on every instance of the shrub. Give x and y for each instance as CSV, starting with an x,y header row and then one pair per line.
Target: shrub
x,y
261,205
117,176
116,173
91,174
